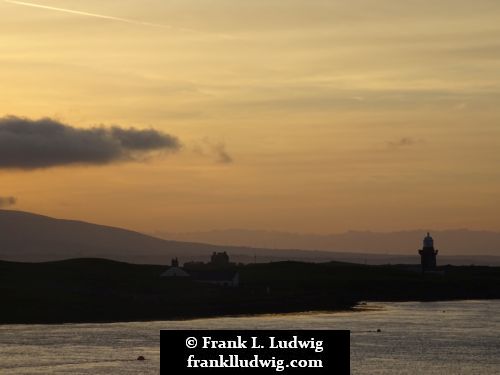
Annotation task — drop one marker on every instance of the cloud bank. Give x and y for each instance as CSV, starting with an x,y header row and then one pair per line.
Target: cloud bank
x,y
44,143
7,201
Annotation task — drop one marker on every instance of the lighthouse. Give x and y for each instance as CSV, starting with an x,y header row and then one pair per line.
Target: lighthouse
x,y
428,254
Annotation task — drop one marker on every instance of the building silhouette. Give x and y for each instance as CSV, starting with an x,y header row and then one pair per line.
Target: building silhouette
x,y
428,254
218,272
174,270
219,259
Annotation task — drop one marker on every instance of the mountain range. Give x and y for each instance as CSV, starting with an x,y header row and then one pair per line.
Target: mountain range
x,y
30,237
455,242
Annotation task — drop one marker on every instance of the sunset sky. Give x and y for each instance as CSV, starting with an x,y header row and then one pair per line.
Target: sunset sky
x,y
296,115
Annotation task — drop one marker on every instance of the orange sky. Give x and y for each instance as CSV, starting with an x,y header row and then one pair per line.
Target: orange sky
x,y
309,116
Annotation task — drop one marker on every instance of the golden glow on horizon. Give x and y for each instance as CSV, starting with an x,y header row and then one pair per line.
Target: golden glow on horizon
x,y
338,115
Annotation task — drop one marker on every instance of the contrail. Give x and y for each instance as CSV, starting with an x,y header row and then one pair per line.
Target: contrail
x,y
135,22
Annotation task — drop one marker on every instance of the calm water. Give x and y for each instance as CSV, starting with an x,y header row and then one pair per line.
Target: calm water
x,y
417,338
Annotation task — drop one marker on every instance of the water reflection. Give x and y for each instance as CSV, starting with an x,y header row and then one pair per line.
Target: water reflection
x,y
461,337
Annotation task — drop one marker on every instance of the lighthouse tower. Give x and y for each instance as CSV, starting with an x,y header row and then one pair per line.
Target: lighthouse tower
x,y
428,254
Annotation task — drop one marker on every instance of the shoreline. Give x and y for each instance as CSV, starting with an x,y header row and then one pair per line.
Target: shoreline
x,y
362,306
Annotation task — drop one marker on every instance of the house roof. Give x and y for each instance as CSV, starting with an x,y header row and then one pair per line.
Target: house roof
x,y
175,271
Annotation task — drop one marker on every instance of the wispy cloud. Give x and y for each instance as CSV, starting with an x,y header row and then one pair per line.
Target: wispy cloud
x,y
125,20
87,14
403,142
222,156
217,150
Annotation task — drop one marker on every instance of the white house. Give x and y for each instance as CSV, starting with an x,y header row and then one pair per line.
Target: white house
x,y
221,277
175,270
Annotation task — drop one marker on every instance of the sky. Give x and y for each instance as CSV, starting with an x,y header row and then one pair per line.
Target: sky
x,y
298,115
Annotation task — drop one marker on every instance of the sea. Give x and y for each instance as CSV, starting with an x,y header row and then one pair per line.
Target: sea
x,y
452,338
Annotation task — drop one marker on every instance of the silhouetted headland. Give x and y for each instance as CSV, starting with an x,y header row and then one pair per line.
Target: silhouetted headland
x,y
98,290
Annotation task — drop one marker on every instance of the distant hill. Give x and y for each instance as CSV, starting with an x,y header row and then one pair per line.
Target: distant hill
x,y
459,242
28,237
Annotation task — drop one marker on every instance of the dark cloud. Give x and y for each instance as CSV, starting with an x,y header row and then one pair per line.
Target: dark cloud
x,y
43,143
7,201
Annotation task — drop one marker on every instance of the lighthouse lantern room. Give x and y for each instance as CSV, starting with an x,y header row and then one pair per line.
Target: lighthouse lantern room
x,y
428,254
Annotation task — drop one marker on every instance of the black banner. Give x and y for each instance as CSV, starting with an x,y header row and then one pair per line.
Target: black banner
x,y
296,352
